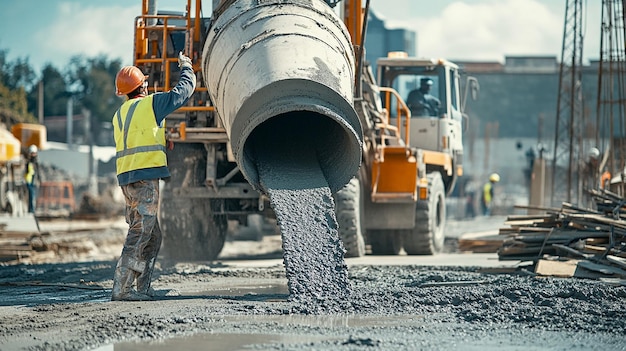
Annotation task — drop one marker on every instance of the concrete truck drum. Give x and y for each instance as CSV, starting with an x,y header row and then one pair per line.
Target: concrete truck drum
x,y
290,68
292,129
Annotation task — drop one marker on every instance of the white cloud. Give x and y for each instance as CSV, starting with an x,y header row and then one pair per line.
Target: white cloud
x,y
89,29
488,30
455,29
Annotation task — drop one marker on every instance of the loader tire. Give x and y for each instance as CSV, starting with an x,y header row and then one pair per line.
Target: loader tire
x,y
193,229
348,212
384,241
427,237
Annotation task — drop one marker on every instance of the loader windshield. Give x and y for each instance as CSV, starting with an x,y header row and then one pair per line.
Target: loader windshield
x,y
429,89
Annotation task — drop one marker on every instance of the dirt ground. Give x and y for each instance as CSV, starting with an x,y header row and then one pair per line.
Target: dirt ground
x,y
241,301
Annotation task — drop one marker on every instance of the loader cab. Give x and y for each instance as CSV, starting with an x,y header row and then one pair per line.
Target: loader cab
x,y
409,77
430,88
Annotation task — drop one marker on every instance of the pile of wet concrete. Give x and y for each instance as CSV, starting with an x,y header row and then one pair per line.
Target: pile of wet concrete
x,y
389,308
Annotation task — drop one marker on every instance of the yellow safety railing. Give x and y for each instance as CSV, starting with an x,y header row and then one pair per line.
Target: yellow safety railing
x,y
394,141
147,50
402,118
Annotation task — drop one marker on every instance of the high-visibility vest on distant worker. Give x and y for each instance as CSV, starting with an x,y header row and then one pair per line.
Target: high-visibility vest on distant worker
x,y
487,193
139,141
29,176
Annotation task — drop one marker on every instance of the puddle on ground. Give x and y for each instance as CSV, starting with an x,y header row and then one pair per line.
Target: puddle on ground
x,y
239,341
328,321
245,290
213,342
41,294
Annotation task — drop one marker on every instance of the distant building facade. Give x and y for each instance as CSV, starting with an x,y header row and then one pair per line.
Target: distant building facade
x,y
516,112
521,95
379,40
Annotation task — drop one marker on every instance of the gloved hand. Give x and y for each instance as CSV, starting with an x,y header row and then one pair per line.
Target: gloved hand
x,y
184,61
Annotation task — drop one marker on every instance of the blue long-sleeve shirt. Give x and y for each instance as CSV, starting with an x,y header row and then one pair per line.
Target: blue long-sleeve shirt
x,y
163,104
166,103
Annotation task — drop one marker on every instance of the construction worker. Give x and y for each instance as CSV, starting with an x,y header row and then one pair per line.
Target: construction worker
x,y
590,174
421,102
32,177
139,132
487,195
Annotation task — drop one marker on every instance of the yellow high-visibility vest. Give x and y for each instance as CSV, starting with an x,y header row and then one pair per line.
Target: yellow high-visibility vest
x,y
30,173
139,141
487,192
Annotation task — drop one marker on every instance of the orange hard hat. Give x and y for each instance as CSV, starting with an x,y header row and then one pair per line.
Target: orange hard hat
x,y
128,79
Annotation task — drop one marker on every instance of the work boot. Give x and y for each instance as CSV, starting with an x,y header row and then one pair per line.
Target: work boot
x,y
145,279
123,286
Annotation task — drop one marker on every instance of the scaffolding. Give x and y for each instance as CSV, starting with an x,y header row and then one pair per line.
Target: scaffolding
x,y
611,98
569,107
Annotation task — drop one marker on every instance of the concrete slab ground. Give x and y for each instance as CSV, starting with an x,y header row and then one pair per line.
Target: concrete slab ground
x,y
444,260
454,230
25,223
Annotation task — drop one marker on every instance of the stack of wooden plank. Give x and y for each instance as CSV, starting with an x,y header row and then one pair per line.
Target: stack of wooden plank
x,y
597,236
480,242
15,246
60,240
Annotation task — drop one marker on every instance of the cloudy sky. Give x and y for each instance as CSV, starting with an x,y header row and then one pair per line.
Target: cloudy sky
x,y
54,30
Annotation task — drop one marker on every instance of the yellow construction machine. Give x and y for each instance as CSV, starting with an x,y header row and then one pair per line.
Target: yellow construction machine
x,y
273,65
412,155
411,161
13,145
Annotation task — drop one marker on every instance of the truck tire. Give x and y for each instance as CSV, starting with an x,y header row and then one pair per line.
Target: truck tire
x,y
348,212
427,237
190,231
384,241
193,229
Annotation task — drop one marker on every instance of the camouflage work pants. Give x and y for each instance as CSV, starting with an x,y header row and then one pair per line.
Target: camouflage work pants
x,y
144,237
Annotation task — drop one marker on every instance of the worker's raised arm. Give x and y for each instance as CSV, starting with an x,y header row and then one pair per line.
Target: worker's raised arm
x,y
166,103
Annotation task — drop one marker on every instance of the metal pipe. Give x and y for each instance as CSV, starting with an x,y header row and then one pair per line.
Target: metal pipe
x,y
151,10
283,64
70,122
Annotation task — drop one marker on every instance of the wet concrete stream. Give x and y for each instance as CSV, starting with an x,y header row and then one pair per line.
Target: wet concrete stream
x,y
291,174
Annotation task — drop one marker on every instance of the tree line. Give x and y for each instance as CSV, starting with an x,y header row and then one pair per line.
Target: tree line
x,y
89,81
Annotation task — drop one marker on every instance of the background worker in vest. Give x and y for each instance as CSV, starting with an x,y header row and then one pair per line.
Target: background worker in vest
x,y
139,132
590,175
32,177
487,195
